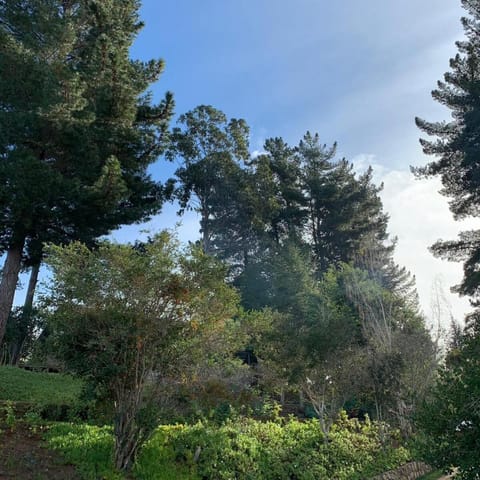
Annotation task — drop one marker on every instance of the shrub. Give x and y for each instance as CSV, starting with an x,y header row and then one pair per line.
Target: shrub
x,y
241,449
251,450
88,447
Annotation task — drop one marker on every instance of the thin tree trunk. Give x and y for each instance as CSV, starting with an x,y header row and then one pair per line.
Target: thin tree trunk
x,y
128,434
8,284
32,285
17,348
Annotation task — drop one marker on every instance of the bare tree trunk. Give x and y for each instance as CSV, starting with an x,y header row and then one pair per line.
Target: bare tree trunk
x,y
129,434
8,284
17,348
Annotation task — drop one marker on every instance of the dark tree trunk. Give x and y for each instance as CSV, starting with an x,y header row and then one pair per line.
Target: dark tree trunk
x,y
8,284
205,227
32,285
16,349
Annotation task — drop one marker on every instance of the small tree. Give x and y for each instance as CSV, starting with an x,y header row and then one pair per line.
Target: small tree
x,y
332,382
124,316
401,353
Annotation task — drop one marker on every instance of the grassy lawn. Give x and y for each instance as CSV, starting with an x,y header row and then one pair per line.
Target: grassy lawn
x,y
19,385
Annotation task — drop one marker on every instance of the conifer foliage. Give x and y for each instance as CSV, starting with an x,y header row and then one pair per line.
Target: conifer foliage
x,y
77,130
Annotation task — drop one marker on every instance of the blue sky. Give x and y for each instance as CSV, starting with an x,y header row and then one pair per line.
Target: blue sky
x,y
356,72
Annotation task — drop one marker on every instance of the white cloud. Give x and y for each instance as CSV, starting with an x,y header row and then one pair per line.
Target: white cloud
x,y
257,153
419,216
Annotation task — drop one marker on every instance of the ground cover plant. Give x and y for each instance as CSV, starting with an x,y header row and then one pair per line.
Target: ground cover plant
x,y
241,448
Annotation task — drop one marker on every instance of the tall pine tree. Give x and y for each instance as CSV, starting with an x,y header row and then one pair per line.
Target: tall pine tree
x,y
457,148
451,418
344,210
77,130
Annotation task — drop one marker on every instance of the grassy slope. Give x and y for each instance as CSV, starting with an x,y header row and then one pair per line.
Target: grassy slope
x,y
20,385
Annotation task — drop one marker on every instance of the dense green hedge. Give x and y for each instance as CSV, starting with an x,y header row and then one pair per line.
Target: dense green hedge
x,y
243,449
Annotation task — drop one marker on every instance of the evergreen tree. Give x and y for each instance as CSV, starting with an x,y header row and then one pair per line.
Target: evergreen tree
x,y
451,416
343,209
261,210
77,131
211,148
457,148
279,185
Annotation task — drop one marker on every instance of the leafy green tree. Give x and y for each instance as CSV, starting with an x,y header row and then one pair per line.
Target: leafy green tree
x,y
210,148
314,319
124,318
456,147
260,210
77,131
278,184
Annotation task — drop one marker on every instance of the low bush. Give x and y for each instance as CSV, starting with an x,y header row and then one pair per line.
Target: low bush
x,y
249,449
88,447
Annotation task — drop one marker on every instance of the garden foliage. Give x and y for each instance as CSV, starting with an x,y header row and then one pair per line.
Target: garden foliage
x,y
243,449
